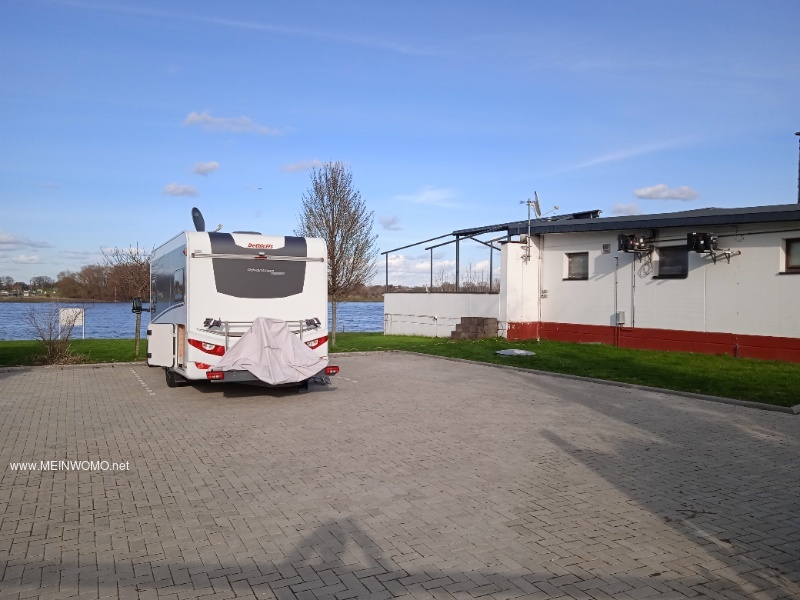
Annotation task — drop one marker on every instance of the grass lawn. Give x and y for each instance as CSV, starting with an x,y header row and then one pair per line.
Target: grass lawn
x,y
770,382
28,352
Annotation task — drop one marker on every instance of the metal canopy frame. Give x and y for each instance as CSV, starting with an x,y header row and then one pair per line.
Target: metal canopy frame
x,y
510,229
457,241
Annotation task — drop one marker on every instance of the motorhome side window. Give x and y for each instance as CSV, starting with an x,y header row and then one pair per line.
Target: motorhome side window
x,y
577,265
673,262
168,283
178,286
153,294
793,256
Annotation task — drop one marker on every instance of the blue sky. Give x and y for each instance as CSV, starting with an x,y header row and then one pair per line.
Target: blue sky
x,y
116,117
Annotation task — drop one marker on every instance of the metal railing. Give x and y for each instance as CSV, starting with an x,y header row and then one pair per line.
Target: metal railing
x,y
236,329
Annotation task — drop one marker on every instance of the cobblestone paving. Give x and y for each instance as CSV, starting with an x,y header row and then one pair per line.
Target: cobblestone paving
x,y
409,477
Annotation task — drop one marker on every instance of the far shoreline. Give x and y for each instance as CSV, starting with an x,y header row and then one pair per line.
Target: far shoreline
x,y
41,299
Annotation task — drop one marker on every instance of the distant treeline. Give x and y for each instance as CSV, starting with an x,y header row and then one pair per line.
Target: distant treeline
x,y
122,282
125,275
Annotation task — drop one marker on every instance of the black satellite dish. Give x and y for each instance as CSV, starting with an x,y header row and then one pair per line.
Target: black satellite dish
x,y
199,222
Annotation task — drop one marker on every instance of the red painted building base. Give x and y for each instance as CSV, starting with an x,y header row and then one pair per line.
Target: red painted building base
x,y
744,346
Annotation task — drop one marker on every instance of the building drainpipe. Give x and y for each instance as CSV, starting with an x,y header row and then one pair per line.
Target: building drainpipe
x,y
541,283
616,303
633,292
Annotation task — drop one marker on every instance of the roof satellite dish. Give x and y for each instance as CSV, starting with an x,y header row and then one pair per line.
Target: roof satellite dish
x,y
197,218
536,208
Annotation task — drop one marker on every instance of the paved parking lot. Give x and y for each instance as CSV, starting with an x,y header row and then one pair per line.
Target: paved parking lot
x,y
409,477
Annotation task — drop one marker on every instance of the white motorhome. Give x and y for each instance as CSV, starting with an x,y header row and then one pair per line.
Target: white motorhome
x,y
207,288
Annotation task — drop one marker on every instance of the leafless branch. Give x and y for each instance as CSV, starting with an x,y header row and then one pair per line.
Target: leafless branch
x,y
334,211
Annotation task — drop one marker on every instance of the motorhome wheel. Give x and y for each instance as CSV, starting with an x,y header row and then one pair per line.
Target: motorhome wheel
x,y
174,380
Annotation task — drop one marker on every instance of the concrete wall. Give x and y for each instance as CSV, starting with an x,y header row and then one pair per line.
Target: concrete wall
x,y
520,289
434,314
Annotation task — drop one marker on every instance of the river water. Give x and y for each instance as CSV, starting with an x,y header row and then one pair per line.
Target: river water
x,y
110,320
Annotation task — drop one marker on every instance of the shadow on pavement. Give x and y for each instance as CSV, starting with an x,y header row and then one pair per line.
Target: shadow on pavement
x,y
714,474
335,559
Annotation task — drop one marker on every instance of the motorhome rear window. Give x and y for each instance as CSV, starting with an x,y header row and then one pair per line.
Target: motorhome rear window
x,y
258,278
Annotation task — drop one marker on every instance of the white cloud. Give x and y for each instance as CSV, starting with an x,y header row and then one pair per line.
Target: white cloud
x,y
627,153
204,168
15,242
662,191
24,259
176,189
303,165
625,209
430,195
422,266
80,254
390,223
233,124
397,261
415,270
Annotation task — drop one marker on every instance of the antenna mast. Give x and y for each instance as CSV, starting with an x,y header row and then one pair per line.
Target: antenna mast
x,y
538,212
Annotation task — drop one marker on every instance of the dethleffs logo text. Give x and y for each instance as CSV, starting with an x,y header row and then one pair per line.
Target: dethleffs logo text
x,y
264,246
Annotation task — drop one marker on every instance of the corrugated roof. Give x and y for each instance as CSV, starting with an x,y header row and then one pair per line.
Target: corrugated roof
x,y
701,217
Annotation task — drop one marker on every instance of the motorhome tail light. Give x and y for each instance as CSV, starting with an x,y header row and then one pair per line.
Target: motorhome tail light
x,y
331,370
202,366
207,348
215,375
314,343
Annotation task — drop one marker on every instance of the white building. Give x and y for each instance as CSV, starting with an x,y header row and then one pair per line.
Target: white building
x,y
633,281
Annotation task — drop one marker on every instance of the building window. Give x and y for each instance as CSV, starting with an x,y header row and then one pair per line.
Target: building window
x,y
793,256
673,262
578,265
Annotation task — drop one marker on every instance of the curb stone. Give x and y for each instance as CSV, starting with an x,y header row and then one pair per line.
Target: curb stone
x,y
791,410
140,363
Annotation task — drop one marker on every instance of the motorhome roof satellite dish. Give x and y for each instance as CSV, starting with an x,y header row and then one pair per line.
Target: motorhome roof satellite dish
x,y
197,218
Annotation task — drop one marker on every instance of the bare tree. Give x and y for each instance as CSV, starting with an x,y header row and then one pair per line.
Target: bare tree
x,y
67,284
53,330
442,280
43,283
93,281
335,211
130,274
129,270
